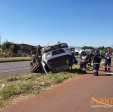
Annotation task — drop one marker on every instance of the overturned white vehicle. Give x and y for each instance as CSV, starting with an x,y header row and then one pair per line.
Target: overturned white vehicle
x,y
51,58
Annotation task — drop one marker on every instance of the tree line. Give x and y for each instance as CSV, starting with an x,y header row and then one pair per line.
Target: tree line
x,y
10,46
99,48
9,49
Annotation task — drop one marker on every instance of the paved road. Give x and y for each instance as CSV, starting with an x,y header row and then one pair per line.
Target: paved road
x,y
14,68
73,95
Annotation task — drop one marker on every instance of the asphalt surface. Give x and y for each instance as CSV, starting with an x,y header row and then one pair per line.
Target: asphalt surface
x,y
73,95
14,68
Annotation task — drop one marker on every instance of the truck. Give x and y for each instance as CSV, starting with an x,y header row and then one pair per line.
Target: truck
x,y
53,58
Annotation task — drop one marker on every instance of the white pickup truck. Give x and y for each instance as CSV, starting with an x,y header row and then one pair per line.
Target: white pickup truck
x,y
53,58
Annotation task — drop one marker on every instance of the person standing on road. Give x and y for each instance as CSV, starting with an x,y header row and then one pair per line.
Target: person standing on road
x,y
96,62
72,59
90,58
83,62
107,63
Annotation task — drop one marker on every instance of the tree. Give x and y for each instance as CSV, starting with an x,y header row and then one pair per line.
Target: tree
x,y
10,46
87,47
101,48
105,48
6,45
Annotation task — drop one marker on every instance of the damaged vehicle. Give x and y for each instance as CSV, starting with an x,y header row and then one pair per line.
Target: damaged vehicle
x,y
51,58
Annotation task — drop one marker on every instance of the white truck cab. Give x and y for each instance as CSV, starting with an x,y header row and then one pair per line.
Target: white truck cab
x,y
54,58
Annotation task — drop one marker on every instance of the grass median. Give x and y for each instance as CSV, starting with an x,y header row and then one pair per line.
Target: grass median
x,y
14,59
27,85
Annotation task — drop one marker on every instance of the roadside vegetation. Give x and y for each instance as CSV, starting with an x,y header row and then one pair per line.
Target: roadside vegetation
x,y
99,48
11,52
14,59
20,87
10,49
14,88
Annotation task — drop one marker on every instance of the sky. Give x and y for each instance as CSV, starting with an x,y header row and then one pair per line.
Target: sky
x,y
75,22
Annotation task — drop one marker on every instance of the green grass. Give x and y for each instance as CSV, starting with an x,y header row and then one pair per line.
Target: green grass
x,y
29,84
112,59
14,59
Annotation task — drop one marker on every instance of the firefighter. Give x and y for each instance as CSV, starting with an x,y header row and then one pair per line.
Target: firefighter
x,y
83,62
96,62
107,63
72,59
91,54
